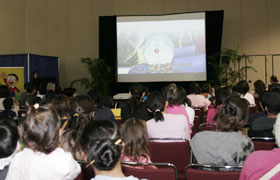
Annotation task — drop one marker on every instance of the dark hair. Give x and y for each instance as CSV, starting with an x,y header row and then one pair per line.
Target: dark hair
x,y
8,103
232,115
4,91
30,87
9,137
185,99
272,102
12,74
135,136
221,95
242,87
97,97
259,87
41,129
195,88
81,108
108,101
69,92
49,97
173,95
274,78
100,142
156,104
61,102
137,92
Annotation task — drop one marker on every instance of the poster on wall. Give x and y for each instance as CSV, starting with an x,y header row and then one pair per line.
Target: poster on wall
x,y
13,77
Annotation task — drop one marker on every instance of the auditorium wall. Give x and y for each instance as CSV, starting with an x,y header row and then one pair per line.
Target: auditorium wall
x,y
69,28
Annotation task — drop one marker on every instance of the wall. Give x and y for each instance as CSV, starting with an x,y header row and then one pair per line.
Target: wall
x,y
69,28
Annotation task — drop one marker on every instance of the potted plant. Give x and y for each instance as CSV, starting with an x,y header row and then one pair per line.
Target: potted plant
x,y
100,75
227,66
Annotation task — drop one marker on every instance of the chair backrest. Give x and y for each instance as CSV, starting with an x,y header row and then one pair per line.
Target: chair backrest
x,y
193,173
263,143
207,127
176,152
164,171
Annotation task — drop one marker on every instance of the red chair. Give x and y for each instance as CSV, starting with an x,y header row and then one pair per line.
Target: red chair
x,y
207,127
263,143
253,110
196,172
165,171
176,152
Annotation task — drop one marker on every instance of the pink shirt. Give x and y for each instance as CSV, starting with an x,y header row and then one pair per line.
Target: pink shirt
x,y
199,100
142,159
259,163
179,109
210,115
173,126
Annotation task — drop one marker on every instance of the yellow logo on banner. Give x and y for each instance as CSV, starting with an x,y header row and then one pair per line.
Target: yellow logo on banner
x,y
13,77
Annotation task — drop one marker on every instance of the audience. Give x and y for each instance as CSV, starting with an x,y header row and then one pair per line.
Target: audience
x,y
136,142
195,96
4,93
82,111
101,112
136,106
221,95
242,88
260,163
42,158
9,138
101,147
165,125
274,82
262,126
227,145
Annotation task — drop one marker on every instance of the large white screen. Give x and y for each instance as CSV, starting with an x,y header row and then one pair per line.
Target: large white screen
x,y
161,48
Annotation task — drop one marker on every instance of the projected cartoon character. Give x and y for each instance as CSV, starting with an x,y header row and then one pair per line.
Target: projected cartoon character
x,y
11,80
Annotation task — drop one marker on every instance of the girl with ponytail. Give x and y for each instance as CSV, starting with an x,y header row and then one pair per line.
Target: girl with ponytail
x,y
101,147
165,125
227,145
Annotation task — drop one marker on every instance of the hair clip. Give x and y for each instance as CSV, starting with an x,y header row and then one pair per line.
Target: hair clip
x,y
76,115
118,141
91,162
36,106
157,110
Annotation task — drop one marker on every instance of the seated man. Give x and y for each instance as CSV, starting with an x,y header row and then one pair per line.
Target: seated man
x,y
262,127
260,163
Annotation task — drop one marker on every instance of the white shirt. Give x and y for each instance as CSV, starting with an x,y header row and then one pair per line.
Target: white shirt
x,y
30,165
190,112
249,97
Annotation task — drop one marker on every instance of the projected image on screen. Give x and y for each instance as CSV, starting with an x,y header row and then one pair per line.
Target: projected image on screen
x,y
167,48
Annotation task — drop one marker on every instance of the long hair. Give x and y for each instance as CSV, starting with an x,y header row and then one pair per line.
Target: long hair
x,y
135,136
137,92
156,104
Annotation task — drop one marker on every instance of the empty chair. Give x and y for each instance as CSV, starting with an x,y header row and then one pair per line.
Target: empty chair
x,y
199,172
263,143
165,171
176,152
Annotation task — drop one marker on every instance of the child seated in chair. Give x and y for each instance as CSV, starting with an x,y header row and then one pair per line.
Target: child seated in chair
x,y
136,140
42,158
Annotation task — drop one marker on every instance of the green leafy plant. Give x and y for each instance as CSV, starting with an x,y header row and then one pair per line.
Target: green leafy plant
x,y
228,66
100,75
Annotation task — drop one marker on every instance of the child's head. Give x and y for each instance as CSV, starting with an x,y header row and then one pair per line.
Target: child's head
x,y
8,137
8,103
173,95
41,129
221,95
135,136
232,115
61,102
101,144
156,104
